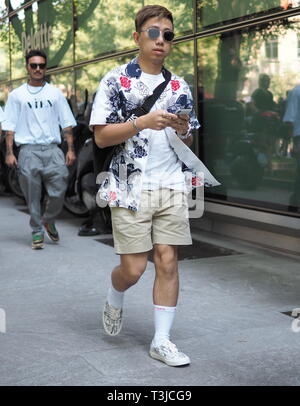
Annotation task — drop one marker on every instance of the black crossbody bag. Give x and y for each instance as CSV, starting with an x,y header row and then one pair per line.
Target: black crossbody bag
x,y
103,156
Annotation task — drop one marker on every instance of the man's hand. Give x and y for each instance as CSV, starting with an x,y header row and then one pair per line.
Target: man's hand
x,y
68,136
70,157
181,124
156,120
11,160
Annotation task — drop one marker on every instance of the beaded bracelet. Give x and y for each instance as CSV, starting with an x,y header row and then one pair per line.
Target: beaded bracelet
x,y
135,126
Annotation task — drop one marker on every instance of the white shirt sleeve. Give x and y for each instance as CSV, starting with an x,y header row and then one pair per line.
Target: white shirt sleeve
x,y
106,103
65,115
290,114
11,113
1,115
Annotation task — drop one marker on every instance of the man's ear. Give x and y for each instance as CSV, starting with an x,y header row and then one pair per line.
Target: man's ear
x,y
136,37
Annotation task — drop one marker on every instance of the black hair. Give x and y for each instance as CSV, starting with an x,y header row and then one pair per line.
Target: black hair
x,y
35,52
151,11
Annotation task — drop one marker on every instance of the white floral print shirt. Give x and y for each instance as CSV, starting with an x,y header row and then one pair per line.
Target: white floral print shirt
x,y
120,91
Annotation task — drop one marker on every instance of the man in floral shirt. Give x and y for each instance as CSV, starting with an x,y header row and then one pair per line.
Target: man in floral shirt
x,y
145,186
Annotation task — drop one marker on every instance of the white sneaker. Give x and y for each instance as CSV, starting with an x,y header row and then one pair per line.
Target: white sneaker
x,y
168,353
112,319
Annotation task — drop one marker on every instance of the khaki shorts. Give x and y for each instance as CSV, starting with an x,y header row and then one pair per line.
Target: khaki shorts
x,y
162,218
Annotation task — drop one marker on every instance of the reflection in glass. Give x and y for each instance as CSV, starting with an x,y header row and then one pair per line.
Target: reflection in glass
x,y
242,98
42,25
65,82
216,12
107,25
89,76
181,62
3,9
4,50
4,91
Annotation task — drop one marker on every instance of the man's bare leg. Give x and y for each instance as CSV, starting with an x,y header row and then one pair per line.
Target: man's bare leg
x,y
123,276
165,296
166,284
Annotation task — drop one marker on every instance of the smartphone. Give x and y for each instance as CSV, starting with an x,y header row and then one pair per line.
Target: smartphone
x,y
183,111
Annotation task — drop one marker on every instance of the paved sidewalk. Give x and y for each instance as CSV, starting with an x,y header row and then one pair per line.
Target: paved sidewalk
x,y
229,320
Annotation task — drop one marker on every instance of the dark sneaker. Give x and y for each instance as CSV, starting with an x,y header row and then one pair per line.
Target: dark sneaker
x,y
112,319
37,241
51,232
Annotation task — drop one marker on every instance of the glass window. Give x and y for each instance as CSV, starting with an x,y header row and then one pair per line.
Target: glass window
x,y
45,25
217,12
3,8
249,128
181,62
4,50
107,26
272,48
4,91
64,81
88,79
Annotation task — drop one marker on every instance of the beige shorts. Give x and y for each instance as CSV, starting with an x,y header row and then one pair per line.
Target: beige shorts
x,y
162,218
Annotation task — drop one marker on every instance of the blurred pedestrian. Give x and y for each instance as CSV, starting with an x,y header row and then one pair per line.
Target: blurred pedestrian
x,y
292,118
1,117
34,113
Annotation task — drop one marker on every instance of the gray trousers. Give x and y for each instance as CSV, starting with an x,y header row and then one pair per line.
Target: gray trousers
x,y
42,165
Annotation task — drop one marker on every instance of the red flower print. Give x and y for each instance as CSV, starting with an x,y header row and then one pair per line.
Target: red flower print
x,y
196,181
125,82
175,85
112,196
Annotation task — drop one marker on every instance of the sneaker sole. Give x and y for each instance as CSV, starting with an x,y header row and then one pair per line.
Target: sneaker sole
x,y
156,356
37,247
107,331
51,238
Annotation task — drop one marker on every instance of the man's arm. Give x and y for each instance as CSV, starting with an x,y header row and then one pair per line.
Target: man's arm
x,y
188,141
68,136
10,158
114,134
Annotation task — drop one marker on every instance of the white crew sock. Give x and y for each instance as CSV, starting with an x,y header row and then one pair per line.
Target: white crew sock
x,y
115,298
163,321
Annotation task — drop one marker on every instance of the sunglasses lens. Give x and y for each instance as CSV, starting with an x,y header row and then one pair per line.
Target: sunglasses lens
x,y
169,36
35,65
153,33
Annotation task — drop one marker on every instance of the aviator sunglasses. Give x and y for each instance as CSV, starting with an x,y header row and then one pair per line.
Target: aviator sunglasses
x,y
154,33
36,65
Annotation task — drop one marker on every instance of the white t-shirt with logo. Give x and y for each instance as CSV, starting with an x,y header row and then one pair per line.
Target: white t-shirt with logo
x,y
36,114
1,115
163,169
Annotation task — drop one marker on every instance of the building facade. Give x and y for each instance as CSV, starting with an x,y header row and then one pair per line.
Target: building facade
x,y
241,59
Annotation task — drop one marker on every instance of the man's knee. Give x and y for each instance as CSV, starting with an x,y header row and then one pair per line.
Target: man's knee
x,y
165,259
133,267
56,185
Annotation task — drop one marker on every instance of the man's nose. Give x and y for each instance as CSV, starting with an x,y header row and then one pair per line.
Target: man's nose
x,y
160,38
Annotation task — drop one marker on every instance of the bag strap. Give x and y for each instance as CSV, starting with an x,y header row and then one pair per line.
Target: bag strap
x,y
150,100
103,156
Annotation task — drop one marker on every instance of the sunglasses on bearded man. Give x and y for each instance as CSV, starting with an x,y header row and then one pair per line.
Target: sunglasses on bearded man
x,y
36,65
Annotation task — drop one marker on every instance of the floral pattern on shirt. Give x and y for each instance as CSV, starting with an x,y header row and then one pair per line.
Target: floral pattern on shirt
x,y
120,91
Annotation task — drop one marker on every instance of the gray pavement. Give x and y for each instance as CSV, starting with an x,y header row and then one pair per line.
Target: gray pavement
x,y
229,319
